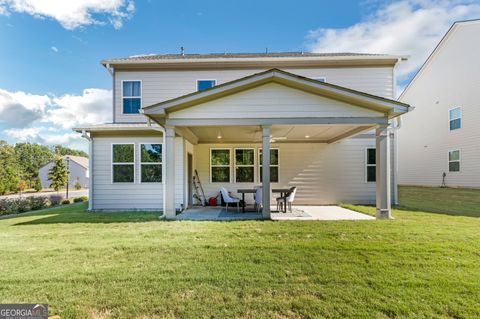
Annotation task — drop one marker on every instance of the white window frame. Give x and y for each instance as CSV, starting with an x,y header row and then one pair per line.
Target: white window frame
x,y
229,164
149,163
320,78
260,164
235,164
460,118
459,161
370,165
141,96
198,80
123,163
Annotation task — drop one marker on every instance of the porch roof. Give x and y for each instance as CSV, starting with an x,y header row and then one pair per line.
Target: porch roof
x,y
389,107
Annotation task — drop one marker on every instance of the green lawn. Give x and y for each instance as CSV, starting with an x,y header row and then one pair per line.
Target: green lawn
x,y
131,265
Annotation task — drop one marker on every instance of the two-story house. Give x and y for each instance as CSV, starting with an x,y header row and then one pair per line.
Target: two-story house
x,y
320,122
439,143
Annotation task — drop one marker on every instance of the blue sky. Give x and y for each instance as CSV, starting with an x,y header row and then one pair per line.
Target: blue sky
x,y
50,58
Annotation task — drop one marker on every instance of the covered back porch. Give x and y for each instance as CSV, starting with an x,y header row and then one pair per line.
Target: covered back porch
x,y
277,110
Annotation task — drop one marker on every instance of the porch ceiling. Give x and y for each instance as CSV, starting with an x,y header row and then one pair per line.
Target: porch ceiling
x,y
279,133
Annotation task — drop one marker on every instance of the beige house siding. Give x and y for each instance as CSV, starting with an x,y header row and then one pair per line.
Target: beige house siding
x,y
273,100
159,86
449,79
323,173
117,196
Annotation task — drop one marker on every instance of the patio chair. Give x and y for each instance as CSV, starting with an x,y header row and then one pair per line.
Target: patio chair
x,y
258,198
287,199
229,199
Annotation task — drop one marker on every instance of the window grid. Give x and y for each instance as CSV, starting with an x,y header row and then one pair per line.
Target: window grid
x,y
117,164
271,165
454,161
142,163
220,165
369,164
131,96
455,118
244,165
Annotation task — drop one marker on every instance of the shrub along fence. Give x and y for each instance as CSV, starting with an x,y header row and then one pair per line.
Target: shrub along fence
x,y
12,206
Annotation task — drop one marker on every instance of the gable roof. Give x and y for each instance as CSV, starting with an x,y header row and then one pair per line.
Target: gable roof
x,y
437,48
80,160
362,99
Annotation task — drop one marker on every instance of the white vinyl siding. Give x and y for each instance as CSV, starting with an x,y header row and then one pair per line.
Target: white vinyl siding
x,y
323,173
425,137
160,85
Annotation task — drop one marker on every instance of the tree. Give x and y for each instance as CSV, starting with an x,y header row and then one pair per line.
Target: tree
x,y
9,169
31,157
62,151
58,174
78,186
38,185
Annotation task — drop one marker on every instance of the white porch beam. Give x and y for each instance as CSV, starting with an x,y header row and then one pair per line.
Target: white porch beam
x,y
350,133
383,193
277,121
169,182
187,134
266,171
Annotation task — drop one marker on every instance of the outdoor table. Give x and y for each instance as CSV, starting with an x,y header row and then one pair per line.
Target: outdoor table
x,y
282,191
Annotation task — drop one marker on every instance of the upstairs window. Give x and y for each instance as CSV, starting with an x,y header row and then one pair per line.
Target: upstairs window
x,y
371,165
205,84
131,96
454,161
455,118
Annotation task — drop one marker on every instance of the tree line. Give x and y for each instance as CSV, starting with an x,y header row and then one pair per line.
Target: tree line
x,y
20,163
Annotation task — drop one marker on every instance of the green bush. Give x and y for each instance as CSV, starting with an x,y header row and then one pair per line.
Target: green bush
x,y
55,199
78,186
37,203
80,199
65,202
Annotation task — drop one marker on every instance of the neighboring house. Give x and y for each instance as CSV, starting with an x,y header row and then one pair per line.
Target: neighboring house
x,y
313,116
442,135
78,168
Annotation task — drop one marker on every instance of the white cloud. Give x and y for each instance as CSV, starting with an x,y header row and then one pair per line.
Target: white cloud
x,y
94,106
48,119
72,14
54,49
407,27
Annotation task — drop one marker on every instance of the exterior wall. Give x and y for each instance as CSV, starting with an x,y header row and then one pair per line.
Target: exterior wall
x,y
122,196
323,173
271,101
75,170
159,86
449,80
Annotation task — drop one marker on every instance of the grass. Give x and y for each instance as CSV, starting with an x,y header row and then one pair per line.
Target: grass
x,y
131,265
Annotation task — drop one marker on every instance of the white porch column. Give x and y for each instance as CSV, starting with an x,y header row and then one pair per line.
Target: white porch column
x,y
383,202
169,180
266,171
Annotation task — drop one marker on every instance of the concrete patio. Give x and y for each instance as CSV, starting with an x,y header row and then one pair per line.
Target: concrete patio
x,y
299,213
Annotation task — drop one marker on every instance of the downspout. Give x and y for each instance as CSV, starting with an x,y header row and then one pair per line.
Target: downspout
x,y
394,130
112,73
90,167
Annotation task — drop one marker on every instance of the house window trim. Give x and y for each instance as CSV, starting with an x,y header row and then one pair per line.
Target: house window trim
x,y
278,165
459,160
122,97
317,78
123,163
370,165
214,84
149,163
235,165
229,164
460,118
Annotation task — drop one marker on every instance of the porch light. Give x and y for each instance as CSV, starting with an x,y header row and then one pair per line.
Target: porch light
x,y
219,134
307,136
